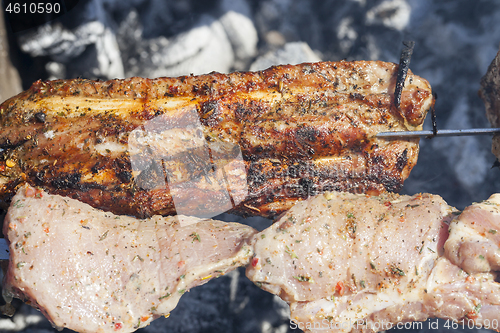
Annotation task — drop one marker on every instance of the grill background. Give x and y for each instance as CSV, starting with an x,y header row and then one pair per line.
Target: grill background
x,y
455,42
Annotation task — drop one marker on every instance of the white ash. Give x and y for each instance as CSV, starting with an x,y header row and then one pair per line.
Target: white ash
x,y
455,42
393,14
291,53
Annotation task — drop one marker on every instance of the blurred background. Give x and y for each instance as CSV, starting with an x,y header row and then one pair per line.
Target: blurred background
x,y
456,40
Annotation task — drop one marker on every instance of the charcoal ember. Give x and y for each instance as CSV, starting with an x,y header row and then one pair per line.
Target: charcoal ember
x,y
294,20
291,53
220,41
453,60
393,14
113,39
183,54
236,18
89,49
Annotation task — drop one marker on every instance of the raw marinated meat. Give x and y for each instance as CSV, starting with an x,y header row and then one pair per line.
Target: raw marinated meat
x,y
93,271
344,262
347,262
474,239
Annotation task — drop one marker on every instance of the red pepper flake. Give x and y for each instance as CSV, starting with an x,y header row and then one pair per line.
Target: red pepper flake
x,y
181,263
472,314
388,204
118,326
470,279
340,288
45,227
30,192
144,318
255,261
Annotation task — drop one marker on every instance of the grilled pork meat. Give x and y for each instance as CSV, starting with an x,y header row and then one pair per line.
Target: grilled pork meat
x,y
93,271
347,262
490,93
252,143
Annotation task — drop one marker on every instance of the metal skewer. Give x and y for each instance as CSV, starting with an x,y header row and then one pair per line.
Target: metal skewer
x,y
442,132
404,63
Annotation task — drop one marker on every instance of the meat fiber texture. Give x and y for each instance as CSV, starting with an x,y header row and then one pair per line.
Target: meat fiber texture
x,y
347,262
475,236
93,271
490,93
250,143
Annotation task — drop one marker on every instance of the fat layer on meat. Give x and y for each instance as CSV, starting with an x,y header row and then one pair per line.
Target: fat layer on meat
x,y
348,262
253,143
93,271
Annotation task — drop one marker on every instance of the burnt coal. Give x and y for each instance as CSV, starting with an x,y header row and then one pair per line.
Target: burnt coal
x,y
455,41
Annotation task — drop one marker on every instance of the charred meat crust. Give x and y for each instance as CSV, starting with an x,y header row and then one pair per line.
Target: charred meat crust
x,y
72,137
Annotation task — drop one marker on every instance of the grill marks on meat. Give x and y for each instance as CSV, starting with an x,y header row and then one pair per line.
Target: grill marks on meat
x,y
348,262
126,146
93,271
